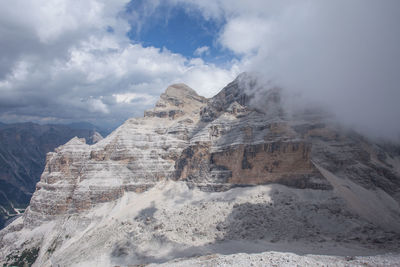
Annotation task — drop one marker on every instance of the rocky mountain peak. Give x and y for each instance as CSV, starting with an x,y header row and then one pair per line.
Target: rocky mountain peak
x,y
180,91
247,92
177,100
73,144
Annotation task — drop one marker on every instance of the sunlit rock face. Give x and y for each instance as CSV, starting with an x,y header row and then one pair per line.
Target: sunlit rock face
x,y
235,145
134,157
213,144
177,101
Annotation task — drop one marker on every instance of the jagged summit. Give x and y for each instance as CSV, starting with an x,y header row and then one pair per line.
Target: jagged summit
x,y
244,93
75,141
247,92
177,100
180,90
236,91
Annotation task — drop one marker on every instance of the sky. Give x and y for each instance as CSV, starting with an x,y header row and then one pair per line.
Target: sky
x,y
103,62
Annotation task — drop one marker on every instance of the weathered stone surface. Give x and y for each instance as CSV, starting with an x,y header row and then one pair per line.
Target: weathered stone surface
x,y
133,158
178,100
250,164
227,141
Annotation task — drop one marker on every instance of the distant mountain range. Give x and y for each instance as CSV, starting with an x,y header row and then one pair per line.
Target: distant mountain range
x,y
23,149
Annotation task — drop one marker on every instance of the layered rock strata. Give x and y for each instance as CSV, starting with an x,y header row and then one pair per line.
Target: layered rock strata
x,y
213,144
133,158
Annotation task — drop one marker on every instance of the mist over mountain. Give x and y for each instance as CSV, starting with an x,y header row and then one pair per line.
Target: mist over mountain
x,y
113,64
348,65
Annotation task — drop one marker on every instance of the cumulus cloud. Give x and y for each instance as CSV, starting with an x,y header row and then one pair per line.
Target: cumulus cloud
x,y
69,62
201,50
240,36
130,97
66,62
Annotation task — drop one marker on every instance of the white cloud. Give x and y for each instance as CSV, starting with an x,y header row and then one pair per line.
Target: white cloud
x,y
201,50
96,105
130,97
341,53
244,35
208,80
61,62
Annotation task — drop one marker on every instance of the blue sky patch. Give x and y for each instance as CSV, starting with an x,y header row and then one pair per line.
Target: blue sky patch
x,y
177,29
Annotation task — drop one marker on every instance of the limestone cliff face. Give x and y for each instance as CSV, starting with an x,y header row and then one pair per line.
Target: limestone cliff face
x,y
238,143
133,158
214,144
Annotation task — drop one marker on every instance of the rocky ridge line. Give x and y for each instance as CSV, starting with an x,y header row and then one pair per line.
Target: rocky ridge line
x,y
180,139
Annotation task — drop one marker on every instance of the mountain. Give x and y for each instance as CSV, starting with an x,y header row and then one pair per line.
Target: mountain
x,y
23,149
103,131
237,173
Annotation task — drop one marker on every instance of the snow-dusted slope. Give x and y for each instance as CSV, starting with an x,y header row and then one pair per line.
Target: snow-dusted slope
x,y
197,177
